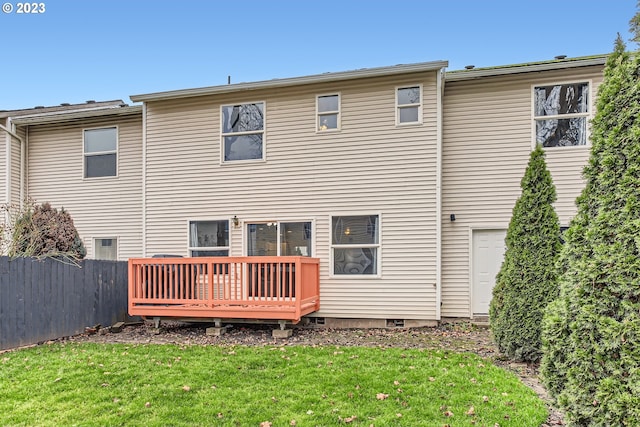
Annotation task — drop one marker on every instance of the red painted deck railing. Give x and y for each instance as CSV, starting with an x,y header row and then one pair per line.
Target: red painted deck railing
x,y
270,288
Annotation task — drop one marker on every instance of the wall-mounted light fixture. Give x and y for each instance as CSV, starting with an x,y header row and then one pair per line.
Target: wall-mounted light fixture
x,y
235,220
452,217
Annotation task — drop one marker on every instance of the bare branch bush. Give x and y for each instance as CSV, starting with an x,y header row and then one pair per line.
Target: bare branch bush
x,y
40,231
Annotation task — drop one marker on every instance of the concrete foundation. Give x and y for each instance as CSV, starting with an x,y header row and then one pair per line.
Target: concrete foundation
x,y
337,323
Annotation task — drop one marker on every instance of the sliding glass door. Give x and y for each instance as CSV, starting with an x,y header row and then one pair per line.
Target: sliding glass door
x,y
279,239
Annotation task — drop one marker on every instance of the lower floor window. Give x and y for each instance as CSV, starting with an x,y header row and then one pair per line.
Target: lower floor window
x,y
209,238
279,239
106,249
355,245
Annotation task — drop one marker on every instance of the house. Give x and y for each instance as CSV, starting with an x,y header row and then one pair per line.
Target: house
x,y
54,156
400,180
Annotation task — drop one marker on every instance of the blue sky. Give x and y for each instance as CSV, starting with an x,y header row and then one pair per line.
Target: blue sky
x,y
104,50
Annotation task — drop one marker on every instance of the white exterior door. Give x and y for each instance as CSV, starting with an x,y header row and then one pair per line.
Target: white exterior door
x,y
487,255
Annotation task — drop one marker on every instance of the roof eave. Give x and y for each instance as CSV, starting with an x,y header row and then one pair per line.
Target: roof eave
x,y
460,75
60,117
293,81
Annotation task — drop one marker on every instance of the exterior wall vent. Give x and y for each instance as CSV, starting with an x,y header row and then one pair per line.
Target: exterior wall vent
x,y
318,321
395,323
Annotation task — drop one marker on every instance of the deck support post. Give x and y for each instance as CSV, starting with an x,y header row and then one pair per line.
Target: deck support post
x,y
217,330
156,322
283,332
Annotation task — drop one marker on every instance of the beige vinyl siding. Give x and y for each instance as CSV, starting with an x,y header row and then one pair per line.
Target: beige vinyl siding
x,y
487,139
100,207
368,167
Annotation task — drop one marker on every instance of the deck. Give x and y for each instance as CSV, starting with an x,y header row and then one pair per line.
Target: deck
x,y
257,288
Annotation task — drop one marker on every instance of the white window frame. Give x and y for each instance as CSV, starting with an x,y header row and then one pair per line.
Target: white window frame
x,y
337,113
96,153
403,106
190,248
263,132
115,239
377,246
588,115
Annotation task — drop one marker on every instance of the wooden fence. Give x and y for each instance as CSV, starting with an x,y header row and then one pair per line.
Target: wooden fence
x,y
47,299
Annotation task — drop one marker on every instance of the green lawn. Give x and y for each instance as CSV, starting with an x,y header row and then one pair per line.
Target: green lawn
x,y
157,385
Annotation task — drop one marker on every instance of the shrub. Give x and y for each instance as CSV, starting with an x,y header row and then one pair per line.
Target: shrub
x,y
40,230
527,280
591,335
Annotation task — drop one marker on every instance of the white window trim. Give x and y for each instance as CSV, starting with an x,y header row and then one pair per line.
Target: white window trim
x,y
116,238
401,106
245,237
264,134
208,248
116,152
588,115
337,112
378,274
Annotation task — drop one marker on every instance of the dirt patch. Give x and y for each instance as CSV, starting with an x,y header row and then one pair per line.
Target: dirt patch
x,y
459,337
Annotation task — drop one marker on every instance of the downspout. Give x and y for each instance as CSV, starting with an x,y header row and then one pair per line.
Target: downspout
x,y
24,173
439,108
22,163
144,179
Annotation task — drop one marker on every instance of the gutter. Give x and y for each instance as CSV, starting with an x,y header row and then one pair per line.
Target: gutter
x,y
22,164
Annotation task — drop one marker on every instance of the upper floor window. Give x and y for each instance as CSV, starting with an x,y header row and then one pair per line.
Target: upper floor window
x,y
100,152
355,245
560,114
409,105
208,238
328,107
106,249
243,131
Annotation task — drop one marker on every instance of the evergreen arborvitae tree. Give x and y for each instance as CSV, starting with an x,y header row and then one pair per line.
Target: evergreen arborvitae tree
x,y
591,334
527,280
